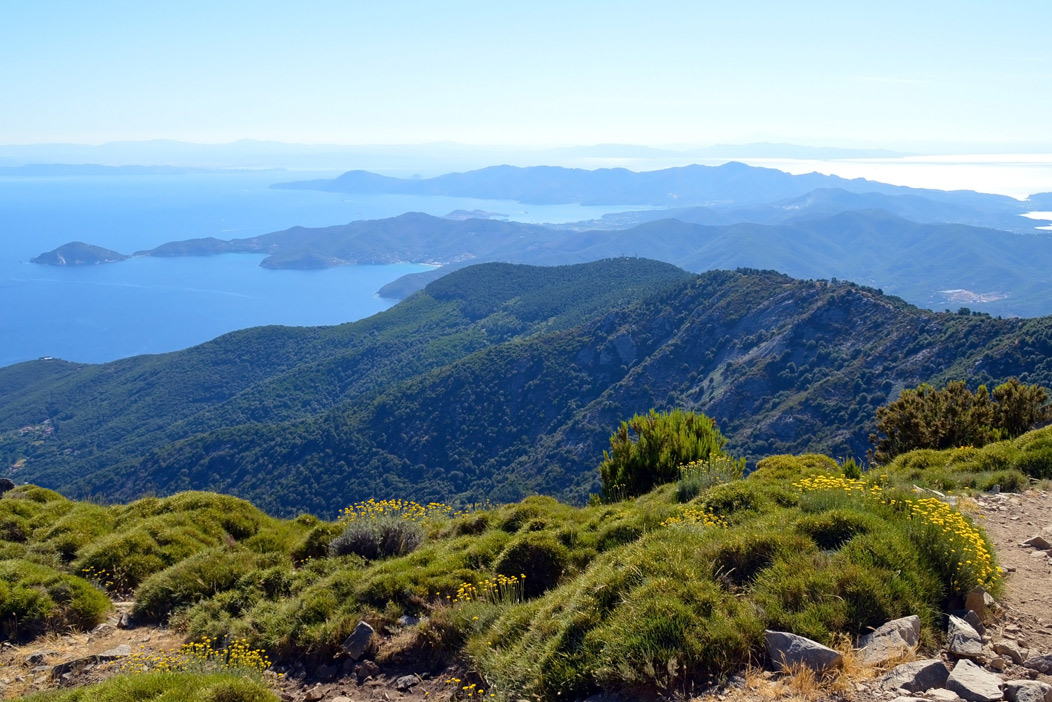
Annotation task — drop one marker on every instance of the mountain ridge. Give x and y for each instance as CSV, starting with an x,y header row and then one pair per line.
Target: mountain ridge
x,y
453,393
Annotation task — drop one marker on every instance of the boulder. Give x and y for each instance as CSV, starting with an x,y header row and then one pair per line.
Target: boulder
x,y
916,676
1028,691
890,641
942,695
973,683
962,640
1042,664
358,642
789,650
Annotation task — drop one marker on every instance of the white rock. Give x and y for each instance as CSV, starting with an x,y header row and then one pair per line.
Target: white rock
x,y
973,683
788,650
890,640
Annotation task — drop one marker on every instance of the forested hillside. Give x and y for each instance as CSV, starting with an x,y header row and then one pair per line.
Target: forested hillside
x,y
497,381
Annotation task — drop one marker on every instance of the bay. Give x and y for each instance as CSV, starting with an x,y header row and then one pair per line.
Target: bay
x,y
153,305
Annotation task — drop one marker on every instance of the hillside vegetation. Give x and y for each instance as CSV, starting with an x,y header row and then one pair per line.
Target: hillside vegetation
x,y
494,382
545,600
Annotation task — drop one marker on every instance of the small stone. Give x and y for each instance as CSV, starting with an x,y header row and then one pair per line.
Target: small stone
x,y
407,620
341,698
37,658
788,650
1010,650
113,654
1039,555
943,695
358,642
1028,691
366,670
916,676
1042,664
998,664
314,694
979,601
973,683
406,683
1039,542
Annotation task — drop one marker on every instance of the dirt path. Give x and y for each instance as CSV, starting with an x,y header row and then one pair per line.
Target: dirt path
x,y
1011,519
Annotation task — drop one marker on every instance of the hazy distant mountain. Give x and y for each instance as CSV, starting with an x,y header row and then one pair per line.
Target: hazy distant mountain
x,y
936,265
403,158
53,170
828,201
729,185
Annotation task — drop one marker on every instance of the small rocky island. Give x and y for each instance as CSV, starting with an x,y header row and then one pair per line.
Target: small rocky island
x,y
77,253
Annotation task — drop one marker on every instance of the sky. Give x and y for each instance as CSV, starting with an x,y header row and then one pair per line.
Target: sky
x,y
889,74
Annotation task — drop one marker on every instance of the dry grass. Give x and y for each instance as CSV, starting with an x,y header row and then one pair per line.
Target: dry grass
x,y
62,648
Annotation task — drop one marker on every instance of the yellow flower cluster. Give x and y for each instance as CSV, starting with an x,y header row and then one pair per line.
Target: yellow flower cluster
x,y
961,542
499,590
830,482
697,515
403,509
202,657
961,545
466,691
99,578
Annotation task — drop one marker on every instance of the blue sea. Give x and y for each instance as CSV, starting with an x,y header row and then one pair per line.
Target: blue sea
x,y
154,305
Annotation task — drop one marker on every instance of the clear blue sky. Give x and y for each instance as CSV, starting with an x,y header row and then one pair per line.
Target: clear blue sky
x,y
889,73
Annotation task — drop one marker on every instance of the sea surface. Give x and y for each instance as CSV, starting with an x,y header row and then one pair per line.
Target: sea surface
x,y
146,305
154,305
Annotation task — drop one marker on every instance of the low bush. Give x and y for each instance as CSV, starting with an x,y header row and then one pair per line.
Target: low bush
x,y
164,687
538,557
378,537
35,599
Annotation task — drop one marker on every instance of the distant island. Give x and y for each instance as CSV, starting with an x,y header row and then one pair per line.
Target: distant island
x,y
77,253
911,242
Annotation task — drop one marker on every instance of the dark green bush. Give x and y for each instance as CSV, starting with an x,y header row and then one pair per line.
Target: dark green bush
x,y
379,537
648,450
35,599
834,528
538,556
315,544
195,578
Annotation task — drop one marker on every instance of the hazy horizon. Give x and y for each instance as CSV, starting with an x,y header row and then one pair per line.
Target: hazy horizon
x,y
899,76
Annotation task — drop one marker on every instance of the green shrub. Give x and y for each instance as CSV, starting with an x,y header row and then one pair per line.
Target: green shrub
x,y
648,450
164,687
315,543
379,537
35,599
784,467
833,528
539,557
698,476
195,578
730,498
